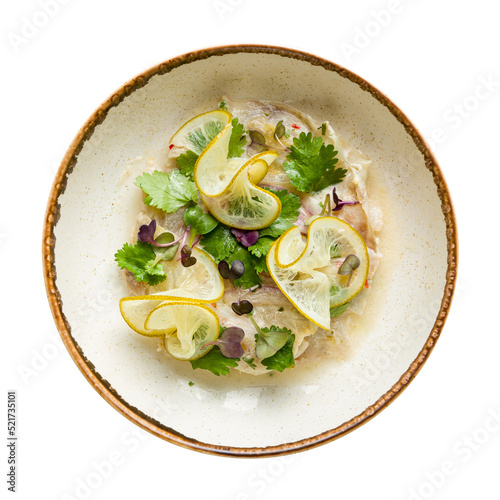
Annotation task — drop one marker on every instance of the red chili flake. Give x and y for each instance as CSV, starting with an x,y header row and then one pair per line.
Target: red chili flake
x,y
294,125
366,284
171,146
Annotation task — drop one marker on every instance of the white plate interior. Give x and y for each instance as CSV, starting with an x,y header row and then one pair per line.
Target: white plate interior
x,y
100,202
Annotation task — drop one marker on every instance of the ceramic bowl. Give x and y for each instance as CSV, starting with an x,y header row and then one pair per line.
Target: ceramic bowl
x,y
92,204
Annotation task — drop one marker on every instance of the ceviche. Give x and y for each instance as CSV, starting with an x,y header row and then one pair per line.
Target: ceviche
x,y
257,242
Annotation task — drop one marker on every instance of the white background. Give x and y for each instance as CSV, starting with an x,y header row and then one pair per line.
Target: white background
x,y
439,439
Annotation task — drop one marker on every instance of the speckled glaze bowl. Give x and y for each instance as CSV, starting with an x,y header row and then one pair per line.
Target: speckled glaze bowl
x,y
89,216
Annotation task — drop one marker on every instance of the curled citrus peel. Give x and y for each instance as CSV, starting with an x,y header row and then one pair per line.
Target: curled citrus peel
x,y
307,271
228,187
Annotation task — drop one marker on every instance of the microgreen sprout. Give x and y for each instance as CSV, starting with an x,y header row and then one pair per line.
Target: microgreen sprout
x,y
242,307
350,264
339,204
187,260
246,238
258,143
327,206
279,131
146,235
229,342
233,272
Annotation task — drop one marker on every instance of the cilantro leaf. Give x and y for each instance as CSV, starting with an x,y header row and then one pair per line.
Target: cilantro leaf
x,y
262,246
186,162
290,205
337,311
250,362
219,243
139,260
238,140
250,277
284,357
215,362
223,245
167,191
310,164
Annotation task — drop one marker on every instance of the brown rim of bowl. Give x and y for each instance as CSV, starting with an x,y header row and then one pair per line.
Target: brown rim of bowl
x,y
88,369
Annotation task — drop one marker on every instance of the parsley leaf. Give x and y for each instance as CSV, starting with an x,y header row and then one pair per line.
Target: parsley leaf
x,y
310,164
290,205
238,140
186,162
167,191
139,260
215,362
284,357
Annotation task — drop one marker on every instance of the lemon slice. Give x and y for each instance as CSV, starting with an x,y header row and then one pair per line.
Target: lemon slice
x,y
228,186
242,204
200,283
198,132
307,271
186,327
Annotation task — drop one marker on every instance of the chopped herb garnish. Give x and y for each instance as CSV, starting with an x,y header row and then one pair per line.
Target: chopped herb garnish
x,y
322,127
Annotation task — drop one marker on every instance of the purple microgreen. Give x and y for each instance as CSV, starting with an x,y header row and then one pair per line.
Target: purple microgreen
x,y
229,342
339,204
233,272
246,238
350,264
147,232
187,260
242,307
